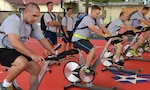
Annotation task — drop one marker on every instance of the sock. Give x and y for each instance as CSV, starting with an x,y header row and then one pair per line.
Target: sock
x,y
6,84
85,67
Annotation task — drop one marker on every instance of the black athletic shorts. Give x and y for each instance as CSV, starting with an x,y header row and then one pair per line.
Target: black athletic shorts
x,y
84,45
51,36
8,56
65,39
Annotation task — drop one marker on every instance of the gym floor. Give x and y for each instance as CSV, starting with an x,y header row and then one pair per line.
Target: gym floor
x,y
57,81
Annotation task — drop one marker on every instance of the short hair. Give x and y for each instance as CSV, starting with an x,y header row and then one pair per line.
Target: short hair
x,y
96,7
49,3
145,8
122,13
68,8
30,6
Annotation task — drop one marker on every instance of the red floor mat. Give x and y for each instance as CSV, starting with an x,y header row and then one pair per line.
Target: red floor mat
x,y
57,81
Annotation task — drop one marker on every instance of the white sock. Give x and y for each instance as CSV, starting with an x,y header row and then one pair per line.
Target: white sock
x,y
6,84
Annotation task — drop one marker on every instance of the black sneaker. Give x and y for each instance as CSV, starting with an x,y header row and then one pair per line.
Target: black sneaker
x,y
119,64
89,71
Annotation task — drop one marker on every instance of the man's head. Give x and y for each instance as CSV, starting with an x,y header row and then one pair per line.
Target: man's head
x,y
145,10
50,6
95,11
123,16
31,13
69,11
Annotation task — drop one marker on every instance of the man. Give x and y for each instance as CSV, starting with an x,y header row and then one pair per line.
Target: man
x,y
114,27
52,23
15,30
135,20
80,36
67,23
78,15
59,17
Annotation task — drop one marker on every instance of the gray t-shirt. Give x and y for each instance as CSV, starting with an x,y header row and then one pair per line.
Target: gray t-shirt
x,y
15,24
135,19
50,17
68,22
114,26
87,20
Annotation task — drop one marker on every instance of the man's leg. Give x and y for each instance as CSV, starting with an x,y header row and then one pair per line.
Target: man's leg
x,y
17,67
119,47
88,70
65,41
136,45
52,38
90,57
69,45
34,69
64,46
86,46
118,53
146,35
141,40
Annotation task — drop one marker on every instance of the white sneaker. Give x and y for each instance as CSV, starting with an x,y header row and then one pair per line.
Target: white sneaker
x,y
106,62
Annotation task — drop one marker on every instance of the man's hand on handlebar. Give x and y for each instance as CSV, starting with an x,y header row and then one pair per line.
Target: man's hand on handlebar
x,y
106,35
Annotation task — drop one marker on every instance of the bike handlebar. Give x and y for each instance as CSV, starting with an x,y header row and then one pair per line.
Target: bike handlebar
x,y
62,55
120,35
144,30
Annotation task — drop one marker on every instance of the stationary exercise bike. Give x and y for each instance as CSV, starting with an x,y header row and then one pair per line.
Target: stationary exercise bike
x,y
141,49
73,72
108,56
51,59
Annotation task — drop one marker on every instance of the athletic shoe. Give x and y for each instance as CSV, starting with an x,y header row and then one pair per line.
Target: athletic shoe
x,y
89,71
134,52
7,88
107,62
129,54
120,63
146,47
